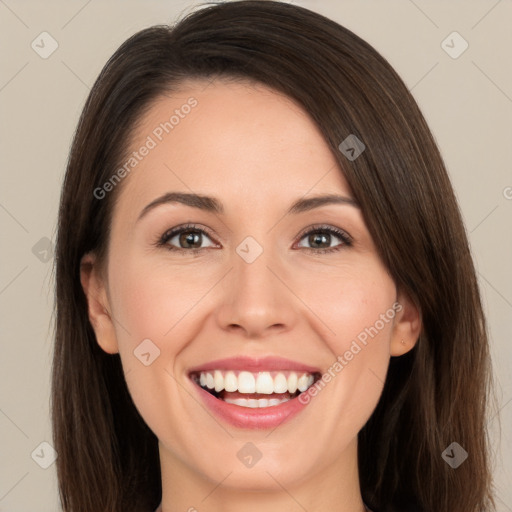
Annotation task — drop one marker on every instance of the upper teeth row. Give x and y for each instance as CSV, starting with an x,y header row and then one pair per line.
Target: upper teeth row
x,y
261,382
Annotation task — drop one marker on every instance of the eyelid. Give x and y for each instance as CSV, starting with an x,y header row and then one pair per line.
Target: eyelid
x,y
188,226
325,227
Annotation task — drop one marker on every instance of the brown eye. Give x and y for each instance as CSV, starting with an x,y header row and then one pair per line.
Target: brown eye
x,y
191,238
320,240
324,239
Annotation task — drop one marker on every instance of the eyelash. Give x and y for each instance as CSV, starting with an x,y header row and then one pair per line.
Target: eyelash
x,y
342,235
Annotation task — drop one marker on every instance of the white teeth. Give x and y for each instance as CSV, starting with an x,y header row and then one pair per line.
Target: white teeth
x,y
264,383
255,403
292,382
304,382
280,383
260,382
230,382
219,380
246,383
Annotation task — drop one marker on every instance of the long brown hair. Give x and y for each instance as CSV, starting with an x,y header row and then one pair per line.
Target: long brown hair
x,y
434,395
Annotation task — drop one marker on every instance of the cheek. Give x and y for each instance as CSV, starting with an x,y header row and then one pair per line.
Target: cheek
x,y
356,308
352,303
150,301
151,312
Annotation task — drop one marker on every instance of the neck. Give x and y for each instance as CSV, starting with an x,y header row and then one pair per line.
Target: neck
x,y
335,487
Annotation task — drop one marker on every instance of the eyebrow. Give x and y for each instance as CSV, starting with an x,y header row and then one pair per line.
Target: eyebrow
x,y
210,204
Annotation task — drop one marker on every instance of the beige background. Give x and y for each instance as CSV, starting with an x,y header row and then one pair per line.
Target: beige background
x,y
467,102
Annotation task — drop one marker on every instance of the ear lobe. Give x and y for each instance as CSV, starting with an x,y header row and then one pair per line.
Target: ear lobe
x,y
407,325
97,304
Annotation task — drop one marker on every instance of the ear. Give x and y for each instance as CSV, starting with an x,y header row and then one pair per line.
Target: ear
x,y
407,325
94,287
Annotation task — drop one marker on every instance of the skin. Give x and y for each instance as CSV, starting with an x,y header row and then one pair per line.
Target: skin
x,y
257,152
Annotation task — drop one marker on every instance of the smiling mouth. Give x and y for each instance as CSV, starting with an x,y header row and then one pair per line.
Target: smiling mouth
x,y
254,389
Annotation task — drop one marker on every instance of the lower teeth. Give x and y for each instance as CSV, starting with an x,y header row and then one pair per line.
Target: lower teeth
x,y
255,403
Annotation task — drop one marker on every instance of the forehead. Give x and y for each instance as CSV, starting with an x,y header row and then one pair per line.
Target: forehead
x,y
239,141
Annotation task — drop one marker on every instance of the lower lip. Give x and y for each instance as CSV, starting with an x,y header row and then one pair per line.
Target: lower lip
x,y
246,417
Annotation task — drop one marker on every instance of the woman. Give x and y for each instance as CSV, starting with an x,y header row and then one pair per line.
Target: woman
x,y
264,282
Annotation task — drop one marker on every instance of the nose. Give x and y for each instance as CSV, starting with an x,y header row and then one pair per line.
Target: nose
x,y
256,298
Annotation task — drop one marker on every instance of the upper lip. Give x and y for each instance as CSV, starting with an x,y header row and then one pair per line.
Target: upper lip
x,y
252,364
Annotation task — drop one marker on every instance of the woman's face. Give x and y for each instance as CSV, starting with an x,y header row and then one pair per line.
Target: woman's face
x,y
252,279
